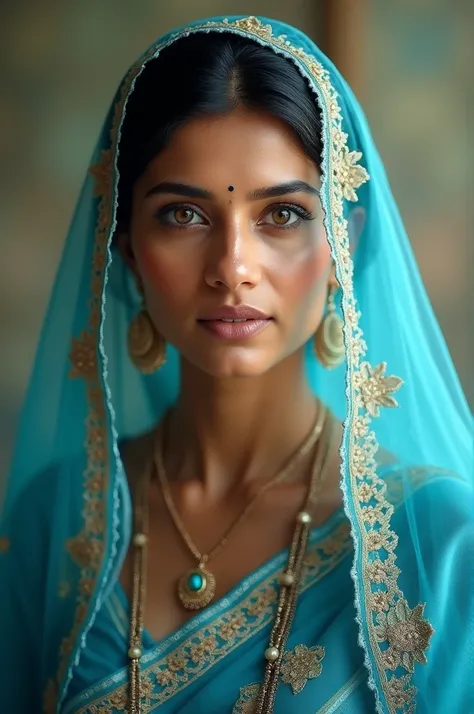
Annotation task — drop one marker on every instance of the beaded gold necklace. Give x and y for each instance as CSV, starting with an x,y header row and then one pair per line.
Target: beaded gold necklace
x,y
289,579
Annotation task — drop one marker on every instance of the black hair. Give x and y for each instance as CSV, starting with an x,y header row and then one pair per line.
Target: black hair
x,y
210,74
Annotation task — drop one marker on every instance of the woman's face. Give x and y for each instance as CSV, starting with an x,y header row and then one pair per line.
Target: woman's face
x,y
228,216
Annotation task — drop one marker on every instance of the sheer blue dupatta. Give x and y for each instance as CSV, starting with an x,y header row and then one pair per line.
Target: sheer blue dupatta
x,y
410,569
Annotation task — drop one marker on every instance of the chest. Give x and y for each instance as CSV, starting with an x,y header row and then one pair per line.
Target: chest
x,y
264,533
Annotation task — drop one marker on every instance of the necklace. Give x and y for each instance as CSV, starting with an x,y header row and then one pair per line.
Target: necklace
x,y
289,580
196,588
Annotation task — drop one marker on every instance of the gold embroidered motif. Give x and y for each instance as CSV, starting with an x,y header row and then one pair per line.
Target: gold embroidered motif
x,y
196,655
380,601
85,551
102,172
247,701
83,356
376,389
300,665
407,634
4,544
401,695
351,176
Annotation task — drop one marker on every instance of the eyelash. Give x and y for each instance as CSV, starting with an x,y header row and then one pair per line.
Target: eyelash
x,y
300,211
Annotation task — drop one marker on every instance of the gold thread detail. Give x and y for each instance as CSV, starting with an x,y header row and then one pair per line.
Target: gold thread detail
x,y
301,664
196,655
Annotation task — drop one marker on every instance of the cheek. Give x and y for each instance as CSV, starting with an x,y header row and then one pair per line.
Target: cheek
x,y
305,276
166,276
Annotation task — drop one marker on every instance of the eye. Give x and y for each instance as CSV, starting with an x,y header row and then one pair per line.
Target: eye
x,y
286,216
179,216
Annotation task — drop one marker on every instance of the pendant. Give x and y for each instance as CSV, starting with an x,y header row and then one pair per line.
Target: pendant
x,y
196,588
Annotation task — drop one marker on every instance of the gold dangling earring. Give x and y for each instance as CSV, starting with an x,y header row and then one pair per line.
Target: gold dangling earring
x,y
329,338
146,347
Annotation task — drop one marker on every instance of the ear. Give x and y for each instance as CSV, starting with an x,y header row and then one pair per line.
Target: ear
x,y
355,226
124,246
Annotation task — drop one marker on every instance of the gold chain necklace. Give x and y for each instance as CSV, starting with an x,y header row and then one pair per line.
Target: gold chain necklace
x,y
289,581
197,587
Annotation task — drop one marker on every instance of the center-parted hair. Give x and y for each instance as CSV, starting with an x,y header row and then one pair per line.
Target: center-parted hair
x,y
210,74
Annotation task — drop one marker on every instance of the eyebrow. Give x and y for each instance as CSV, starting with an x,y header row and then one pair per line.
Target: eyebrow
x,y
186,190
179,189
283,189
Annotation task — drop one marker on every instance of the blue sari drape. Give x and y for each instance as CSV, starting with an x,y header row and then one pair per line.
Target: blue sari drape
x,y
405,564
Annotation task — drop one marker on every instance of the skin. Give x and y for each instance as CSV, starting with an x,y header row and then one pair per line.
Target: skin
x,y
244,406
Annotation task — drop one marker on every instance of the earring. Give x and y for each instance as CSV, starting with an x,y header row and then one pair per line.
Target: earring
x,y
329,338
146,347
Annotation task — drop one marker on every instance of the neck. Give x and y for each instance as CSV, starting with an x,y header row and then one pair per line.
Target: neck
x,y
225,432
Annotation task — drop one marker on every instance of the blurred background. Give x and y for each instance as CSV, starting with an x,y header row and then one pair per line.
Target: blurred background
x,y
410,63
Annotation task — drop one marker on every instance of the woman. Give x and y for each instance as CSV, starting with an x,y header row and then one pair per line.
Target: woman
x,y
175,534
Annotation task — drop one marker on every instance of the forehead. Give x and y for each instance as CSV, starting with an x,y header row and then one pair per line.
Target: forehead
x,y
243,146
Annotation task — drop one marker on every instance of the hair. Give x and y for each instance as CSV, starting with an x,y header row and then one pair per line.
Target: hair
x,y
210,74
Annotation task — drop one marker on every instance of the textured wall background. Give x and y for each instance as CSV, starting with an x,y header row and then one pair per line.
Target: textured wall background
x,y
62,61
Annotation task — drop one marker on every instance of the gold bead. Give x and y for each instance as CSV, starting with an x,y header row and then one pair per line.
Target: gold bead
x,y
286,579
134,653
304,517
140,540
272,654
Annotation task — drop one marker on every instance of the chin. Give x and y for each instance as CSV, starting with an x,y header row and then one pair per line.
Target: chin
x,y
235,363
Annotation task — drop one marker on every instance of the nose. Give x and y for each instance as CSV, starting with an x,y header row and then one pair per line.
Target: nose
x,y
234,258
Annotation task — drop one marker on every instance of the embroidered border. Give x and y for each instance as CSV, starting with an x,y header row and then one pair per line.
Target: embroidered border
x,y
368,387
202,649
87,549
323,556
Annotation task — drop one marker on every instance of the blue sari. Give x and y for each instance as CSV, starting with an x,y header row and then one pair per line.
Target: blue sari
x,y
385,619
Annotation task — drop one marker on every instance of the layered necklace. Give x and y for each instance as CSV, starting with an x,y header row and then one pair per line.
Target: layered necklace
x,y
196,588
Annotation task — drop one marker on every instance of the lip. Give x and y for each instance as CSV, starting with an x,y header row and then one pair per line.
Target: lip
x,y
253,322
237,312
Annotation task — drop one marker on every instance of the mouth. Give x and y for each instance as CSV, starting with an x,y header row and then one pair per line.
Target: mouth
x,y
235,323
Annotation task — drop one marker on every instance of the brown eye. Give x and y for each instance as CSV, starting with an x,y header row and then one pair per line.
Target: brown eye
x,y
183,215
281,216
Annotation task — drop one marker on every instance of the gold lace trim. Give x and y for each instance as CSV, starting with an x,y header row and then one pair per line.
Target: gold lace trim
x,y
369,388
197,654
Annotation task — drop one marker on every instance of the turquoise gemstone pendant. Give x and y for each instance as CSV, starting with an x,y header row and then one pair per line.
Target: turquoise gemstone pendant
x,y
196,588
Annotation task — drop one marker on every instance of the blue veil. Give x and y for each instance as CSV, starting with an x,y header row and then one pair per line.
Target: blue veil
x,y
85,395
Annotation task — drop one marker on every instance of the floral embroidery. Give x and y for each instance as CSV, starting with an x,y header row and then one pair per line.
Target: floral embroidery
x,y
406,632
376,389
84,551
375,540
4,544
371,514
380,601
204,649
83,357
301,664
400,693
196,655
366,492
247,701
119,700
229,629
166,678
102,173
350,174
377,571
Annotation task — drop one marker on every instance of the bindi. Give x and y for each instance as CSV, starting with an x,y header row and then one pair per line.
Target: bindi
x,y
231,188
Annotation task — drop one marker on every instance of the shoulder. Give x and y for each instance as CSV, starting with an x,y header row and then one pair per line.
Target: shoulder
x,y
445,491
51,496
